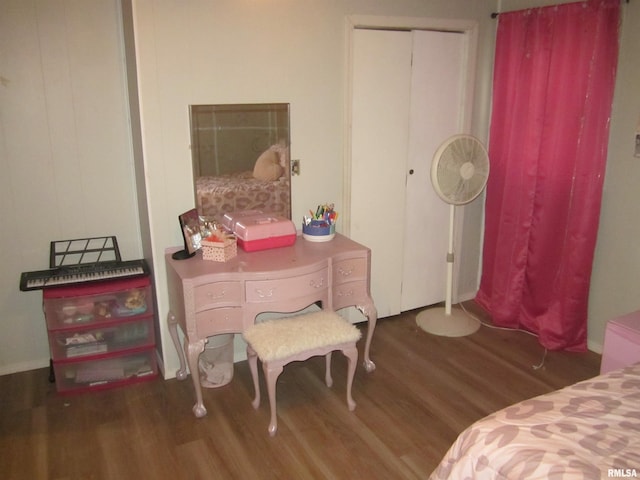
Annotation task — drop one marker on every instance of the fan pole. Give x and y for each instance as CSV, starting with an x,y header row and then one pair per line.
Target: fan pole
x,y
446,321
449,288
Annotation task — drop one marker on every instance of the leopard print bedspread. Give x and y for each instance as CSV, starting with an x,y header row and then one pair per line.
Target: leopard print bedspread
x,y
216,196
589,430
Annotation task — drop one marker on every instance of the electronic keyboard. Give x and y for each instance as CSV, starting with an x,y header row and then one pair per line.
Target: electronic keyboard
x,y
74,274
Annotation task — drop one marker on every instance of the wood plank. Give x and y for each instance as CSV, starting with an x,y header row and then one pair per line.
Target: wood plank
x,y
425,390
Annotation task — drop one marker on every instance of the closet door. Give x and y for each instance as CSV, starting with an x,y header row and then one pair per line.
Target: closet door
x,y
400,114
435,114
379,131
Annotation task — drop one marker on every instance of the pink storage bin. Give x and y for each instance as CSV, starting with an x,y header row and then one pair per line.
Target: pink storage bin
x,y
261,231
230,219
108,337
86,305
621,342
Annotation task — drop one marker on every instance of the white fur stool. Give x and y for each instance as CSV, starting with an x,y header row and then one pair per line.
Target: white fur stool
x,y
280,341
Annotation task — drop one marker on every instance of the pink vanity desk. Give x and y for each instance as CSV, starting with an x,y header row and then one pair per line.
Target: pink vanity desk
x,y
209,298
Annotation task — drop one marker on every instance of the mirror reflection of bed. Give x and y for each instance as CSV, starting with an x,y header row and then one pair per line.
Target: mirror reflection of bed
x,y
241,158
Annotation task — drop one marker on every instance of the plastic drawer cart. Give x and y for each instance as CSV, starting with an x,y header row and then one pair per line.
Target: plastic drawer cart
x,y
101,334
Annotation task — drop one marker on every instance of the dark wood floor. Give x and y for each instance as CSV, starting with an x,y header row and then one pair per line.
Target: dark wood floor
x,y
425,390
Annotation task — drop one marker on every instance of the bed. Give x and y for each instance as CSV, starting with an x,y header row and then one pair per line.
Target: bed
x,y
266,187
241,191
588,430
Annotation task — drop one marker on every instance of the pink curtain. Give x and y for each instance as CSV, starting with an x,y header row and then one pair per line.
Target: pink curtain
x,y
552,92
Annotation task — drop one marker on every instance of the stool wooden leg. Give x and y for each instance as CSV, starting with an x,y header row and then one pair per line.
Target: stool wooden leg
x,y
252,357
327,370
271,374
352,360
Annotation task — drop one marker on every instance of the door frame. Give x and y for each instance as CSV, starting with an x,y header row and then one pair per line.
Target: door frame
x,y
469,28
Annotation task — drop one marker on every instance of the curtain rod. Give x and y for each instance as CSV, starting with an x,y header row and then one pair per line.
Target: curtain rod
x,y
495,14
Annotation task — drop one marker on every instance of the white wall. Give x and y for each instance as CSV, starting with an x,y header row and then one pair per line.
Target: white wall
x,y
65,151
241,51
615,283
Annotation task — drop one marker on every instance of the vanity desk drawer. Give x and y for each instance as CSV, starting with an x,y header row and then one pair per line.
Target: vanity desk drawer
x,y
286,288
349,270
348,294
217,294
219,320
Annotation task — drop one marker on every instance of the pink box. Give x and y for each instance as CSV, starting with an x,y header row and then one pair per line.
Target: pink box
x,y
263,231
621,342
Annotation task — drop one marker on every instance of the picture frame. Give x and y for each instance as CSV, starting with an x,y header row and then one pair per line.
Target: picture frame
x,y
191,233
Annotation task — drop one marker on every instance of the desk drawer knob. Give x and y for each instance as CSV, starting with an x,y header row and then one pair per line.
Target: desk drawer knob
x,y
318,284
263,294
212,296
345,294
344,272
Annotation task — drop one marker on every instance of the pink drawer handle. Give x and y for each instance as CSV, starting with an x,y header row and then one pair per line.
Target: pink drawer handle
x,y
262,294
345,273
345,294
211,296
315,284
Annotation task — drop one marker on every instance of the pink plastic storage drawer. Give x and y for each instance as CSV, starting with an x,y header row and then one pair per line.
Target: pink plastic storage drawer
x,y
91,304
114,371
108,338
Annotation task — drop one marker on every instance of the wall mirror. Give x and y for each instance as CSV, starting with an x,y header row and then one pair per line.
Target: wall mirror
x,y
241,158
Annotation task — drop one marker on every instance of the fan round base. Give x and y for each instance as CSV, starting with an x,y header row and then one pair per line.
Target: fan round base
x,y
437,322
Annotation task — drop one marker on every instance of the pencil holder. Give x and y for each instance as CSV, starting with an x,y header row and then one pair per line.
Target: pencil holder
x,y
318,231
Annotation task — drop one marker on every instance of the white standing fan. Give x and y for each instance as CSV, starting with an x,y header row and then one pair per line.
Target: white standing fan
x,y
459,173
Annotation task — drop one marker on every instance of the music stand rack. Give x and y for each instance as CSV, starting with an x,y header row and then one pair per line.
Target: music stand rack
x,y
81,251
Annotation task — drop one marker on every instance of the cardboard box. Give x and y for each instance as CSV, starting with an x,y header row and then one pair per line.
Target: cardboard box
x,y
219,251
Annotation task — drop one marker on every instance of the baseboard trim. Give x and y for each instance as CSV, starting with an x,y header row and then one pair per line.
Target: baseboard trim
x,y
24,366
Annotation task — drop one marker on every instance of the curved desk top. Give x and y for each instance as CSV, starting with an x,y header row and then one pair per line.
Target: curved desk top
x,y
265,263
